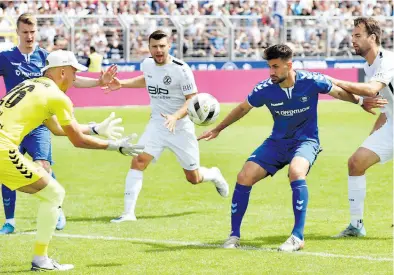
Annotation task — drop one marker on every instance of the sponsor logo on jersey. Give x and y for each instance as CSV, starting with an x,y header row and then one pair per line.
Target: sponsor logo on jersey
x,y
29,74
304,99
379,75
292,112
167,80
187,87
157,90
277,104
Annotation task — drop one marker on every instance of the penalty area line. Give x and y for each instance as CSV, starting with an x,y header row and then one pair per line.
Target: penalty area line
x,y
200,244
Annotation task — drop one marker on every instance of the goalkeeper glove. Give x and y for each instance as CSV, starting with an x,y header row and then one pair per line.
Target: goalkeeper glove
x,y
125,147
108,127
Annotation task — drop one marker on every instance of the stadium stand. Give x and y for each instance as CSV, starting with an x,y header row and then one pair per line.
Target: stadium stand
x,y
209,30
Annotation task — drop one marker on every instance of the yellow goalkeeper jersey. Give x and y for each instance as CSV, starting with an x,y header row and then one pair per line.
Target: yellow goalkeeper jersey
x,y
28,105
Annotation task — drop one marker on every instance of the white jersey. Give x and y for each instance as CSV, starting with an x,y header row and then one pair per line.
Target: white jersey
x,y
382,70
167,86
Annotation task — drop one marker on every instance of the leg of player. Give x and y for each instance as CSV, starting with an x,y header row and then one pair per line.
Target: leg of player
x,y
51,195
133,186
358,163
204,174
298,169
38,145
61,222
249,175
9,199
9,203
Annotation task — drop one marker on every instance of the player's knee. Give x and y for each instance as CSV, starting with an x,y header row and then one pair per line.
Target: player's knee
x,y
45,164
296,174
53,193
245,178
355,165
139,164
59,192
193,178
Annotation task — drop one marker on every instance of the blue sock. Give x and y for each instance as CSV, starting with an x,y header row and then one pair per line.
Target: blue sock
x,y
239,205
9,198
300,203
53,175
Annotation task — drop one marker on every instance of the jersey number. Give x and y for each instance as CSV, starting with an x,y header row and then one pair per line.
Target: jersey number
x,y
16,95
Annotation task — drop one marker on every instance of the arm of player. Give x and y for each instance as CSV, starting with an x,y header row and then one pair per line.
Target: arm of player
x,y
108,128
80,140
116,84
171,119
236,114
341,94
364,89
105,78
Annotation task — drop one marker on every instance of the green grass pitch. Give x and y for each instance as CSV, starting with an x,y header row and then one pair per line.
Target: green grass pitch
x,y
180,227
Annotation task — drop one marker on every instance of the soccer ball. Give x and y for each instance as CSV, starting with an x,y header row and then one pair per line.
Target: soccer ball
x,y
203,109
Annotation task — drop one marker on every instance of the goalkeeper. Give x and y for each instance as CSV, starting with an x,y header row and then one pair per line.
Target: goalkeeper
x,y
26,107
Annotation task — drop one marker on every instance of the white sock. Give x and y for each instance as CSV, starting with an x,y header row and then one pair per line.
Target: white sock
x,y
207,174
132,190
10,221
357,186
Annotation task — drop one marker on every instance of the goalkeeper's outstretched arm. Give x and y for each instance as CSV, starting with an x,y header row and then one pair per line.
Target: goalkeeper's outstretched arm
x,y
109,127
81,140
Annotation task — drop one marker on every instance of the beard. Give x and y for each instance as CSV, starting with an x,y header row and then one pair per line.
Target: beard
x,y
278,80
361,52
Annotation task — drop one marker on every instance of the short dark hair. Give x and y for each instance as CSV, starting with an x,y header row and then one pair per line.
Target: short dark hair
x,y
92,49
281,51
26,18
157,35
372,26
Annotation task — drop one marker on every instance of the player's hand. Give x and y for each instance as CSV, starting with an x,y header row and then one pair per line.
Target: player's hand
x,y
208,135
125,146
112,86
370,103
108,128
107,76
170,122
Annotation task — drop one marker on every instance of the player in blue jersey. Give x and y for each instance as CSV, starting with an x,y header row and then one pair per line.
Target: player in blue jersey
x,y
292,97
16,65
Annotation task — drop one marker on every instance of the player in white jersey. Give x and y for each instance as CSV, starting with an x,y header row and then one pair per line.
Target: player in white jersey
x,y
378,147
170,83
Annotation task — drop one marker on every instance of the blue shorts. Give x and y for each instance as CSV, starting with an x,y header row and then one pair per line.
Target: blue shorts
x,y
38,144
274,154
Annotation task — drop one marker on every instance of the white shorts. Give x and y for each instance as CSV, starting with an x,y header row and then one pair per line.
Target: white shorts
x,y
183,143
381,142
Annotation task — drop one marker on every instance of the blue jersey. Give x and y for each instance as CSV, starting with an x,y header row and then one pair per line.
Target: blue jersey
x,y
294,110
16,67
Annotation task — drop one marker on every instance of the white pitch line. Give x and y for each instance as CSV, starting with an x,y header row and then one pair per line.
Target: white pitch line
x,y
199,244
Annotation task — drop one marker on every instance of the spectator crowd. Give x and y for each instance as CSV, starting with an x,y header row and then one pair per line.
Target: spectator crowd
x,y
312,28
